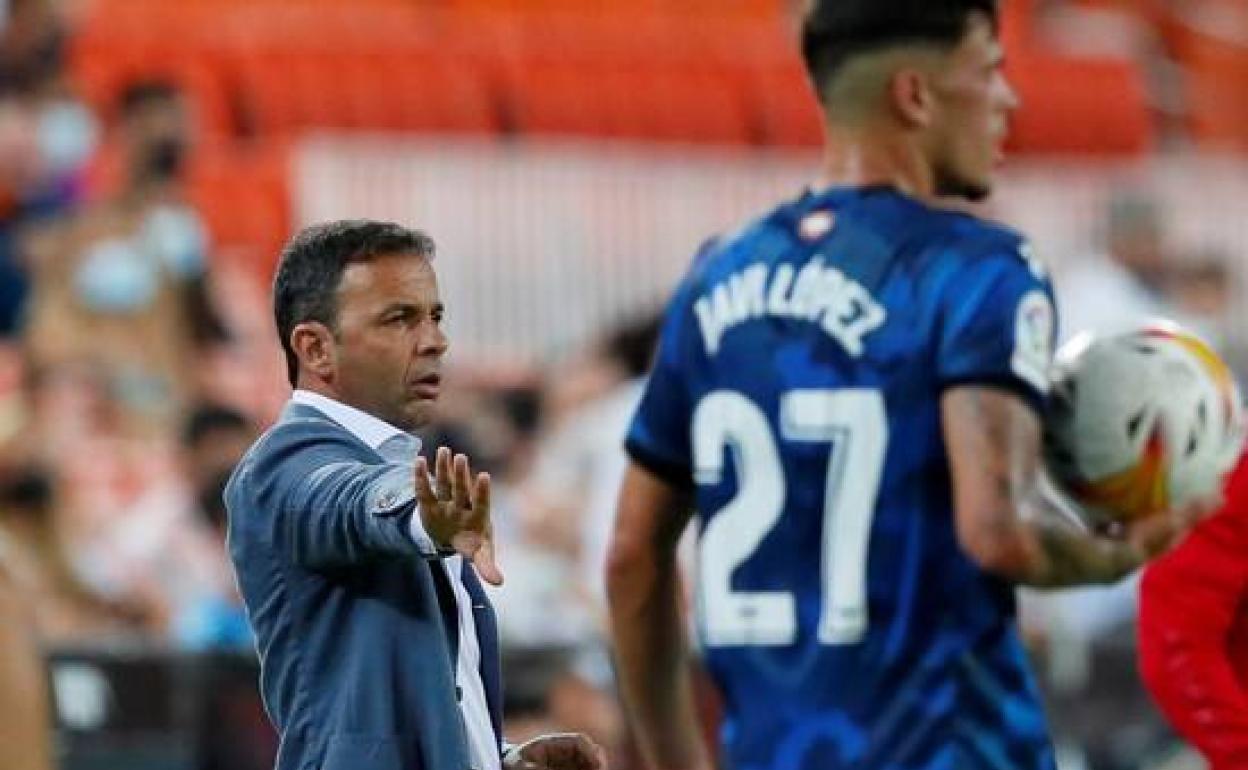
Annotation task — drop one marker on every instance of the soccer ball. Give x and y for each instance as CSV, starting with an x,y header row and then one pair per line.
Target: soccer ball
x,y
1141,422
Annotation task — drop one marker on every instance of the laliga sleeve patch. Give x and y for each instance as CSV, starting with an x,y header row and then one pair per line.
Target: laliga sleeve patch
x,y
1033,339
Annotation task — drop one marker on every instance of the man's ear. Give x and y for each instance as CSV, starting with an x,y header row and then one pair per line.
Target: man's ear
x,y
911,97
314,346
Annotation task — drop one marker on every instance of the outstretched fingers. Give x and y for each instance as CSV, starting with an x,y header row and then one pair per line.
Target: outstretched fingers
x,y
479,516
461,481
442,473
479,521
425,495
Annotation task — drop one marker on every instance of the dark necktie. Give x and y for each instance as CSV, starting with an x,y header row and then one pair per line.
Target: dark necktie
x,y
401,449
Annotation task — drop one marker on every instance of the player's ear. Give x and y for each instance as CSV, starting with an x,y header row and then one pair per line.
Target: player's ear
x,y
911,96
314,346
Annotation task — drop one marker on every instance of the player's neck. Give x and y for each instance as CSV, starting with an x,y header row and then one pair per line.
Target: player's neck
x,y
867,157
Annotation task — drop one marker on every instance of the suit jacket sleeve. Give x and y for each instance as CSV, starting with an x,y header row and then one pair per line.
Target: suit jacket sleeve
x,y
1190,605
320,503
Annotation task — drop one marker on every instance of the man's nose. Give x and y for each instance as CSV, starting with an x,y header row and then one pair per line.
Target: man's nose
x,y
433,341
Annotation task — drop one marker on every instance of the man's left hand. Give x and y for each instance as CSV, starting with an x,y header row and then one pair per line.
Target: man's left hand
x,y
562,751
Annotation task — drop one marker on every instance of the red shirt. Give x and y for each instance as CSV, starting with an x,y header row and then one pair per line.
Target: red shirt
x,y
1194,632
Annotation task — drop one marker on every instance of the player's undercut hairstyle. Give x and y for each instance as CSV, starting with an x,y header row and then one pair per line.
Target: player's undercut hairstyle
x,y
836,31
305,287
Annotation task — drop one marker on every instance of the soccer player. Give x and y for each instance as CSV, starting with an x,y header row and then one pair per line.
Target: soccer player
x,y
848,392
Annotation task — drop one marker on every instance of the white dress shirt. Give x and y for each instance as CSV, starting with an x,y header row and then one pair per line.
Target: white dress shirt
x,y
482,744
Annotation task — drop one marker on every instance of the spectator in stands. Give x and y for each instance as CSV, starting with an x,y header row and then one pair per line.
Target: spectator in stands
x,y
121,288
1126,282
45,138
25,734
169,544
66,609
1194,632
31,45
213,617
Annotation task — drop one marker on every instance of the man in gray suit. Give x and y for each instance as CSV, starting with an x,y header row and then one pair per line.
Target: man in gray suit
x,y
378,646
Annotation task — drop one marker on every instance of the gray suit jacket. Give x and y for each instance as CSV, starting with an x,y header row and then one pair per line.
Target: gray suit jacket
x,y
356,629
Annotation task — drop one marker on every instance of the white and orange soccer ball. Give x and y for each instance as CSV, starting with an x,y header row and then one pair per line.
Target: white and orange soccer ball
x,y
1141,421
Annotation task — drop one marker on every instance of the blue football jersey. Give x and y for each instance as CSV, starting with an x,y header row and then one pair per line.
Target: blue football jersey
x,y
797,389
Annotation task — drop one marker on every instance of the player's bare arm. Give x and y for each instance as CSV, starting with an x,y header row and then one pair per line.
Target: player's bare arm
x,y
1007,521
643,583
25,742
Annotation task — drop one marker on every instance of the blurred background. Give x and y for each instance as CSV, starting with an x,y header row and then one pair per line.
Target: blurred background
x,y
568,156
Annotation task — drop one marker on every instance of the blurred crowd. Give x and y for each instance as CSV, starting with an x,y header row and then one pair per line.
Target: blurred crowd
x,y
116,436
106,318
117,433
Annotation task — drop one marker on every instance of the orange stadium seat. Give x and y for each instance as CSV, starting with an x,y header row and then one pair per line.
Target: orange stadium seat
x,y
1016,25
663,69
285,92
243,194
279,94
594,40
614,8
787,111
647,78
1215,67
1080,106
101,81
687,106
751,9
622,10
297,26
666,104
557,99
107,55
433,93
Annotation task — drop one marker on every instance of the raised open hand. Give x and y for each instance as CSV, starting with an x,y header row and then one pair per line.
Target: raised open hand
x,y
455,510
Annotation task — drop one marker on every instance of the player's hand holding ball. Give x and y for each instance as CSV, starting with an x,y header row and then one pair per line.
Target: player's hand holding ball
x,y
1142,430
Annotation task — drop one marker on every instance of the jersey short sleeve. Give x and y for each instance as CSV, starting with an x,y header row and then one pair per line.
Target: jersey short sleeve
x,y
658,437
999,325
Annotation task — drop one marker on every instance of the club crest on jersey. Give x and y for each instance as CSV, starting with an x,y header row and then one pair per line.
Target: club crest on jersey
x,y
815,225
817,293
